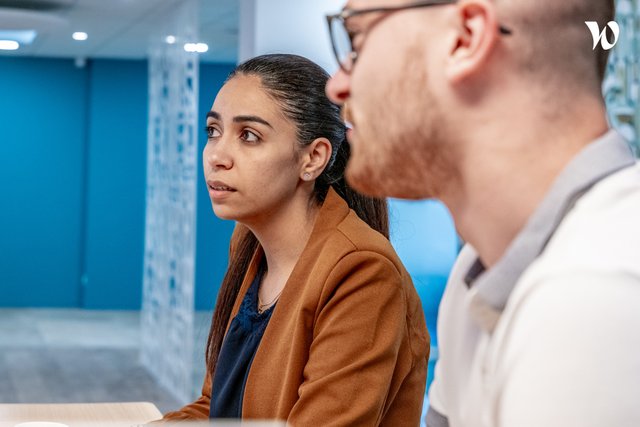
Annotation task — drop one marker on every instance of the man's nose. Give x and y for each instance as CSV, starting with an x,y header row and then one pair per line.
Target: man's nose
x,y
338,87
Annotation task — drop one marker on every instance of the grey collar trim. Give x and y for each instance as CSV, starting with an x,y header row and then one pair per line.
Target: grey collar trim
x,y
491,288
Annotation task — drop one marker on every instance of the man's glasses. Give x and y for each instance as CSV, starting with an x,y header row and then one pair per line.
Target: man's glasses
x,y
342,37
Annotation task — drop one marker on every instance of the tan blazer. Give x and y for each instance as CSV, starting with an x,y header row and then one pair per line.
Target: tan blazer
x,y
347,343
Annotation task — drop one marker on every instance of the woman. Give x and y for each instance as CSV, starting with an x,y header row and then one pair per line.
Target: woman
x,y
317,321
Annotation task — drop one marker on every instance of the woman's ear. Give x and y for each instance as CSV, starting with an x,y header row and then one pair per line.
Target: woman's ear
x,y
315,159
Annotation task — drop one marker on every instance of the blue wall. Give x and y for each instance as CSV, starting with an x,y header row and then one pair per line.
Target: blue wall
x,y
73,168
42,135
115,200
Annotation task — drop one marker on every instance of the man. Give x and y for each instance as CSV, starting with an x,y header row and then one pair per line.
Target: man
x,y
495,108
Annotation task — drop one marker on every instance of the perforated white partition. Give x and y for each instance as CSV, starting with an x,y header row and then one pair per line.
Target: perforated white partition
x,y
169,254
622,83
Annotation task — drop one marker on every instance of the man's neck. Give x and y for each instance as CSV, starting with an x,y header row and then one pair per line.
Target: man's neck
x,y
505,179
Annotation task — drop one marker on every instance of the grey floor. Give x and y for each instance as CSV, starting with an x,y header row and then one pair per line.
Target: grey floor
x,y
56,356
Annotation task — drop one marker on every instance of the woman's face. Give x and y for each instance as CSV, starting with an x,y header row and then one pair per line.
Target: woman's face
x,y
251,164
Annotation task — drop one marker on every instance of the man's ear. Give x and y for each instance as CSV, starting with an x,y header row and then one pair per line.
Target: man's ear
x,y
477,34
315,158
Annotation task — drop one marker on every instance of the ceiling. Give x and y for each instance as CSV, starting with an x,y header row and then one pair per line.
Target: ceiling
x,y
122,29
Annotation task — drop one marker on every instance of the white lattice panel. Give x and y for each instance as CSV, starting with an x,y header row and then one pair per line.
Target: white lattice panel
x,y
169,257
622,83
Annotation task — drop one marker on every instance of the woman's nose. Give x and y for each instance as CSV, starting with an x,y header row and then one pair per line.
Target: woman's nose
x,y
217,155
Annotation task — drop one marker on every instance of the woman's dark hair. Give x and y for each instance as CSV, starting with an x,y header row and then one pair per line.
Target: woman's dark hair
x,y
298,86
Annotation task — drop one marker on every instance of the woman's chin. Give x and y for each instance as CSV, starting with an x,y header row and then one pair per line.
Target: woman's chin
x,y
224,212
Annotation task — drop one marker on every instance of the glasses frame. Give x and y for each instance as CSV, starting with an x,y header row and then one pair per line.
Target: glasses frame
x,y
350,13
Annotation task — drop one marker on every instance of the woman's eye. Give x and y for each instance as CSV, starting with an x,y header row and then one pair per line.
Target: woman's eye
x,y
212,132
249,136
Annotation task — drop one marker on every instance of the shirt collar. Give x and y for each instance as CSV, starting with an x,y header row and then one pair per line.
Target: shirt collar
x,y
491,288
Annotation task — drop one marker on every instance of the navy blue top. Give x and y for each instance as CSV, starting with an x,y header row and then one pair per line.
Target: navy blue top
x,y
237,352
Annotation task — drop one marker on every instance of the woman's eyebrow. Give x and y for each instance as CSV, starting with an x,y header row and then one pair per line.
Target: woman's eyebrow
x,y
240,119
256,119
213,115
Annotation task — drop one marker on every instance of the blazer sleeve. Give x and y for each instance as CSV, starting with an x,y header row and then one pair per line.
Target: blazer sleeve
x,y
198,410
356,341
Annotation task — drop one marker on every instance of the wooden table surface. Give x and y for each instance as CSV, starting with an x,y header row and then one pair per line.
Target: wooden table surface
x,y
79,414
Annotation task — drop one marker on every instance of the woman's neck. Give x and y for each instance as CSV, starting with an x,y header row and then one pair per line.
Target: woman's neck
x,y
284,235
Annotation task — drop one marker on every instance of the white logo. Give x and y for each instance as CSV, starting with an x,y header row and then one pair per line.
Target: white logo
x,y
601,36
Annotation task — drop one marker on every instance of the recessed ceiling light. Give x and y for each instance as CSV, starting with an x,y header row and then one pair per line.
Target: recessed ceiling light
x,y
9,45
80,36
196,47
21,36
170,39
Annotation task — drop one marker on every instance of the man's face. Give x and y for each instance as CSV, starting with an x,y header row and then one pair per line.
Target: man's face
x,y
388,99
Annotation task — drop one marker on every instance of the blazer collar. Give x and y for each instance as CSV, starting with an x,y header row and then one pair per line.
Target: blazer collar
x,y
333,211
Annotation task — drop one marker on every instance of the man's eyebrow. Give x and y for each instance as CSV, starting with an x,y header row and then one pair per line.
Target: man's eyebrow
x,y
242,119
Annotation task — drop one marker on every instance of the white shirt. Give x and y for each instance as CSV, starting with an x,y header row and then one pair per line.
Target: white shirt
x,y
550,336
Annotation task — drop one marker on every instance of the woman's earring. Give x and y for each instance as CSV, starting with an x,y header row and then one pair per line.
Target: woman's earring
x,y
307,176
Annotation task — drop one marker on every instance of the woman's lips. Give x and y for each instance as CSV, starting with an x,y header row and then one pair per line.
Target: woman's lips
x,y
219,190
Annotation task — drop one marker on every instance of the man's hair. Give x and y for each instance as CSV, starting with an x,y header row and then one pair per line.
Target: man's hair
x,y
555,41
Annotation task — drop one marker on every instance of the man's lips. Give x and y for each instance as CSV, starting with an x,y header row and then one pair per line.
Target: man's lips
x,y
347,117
